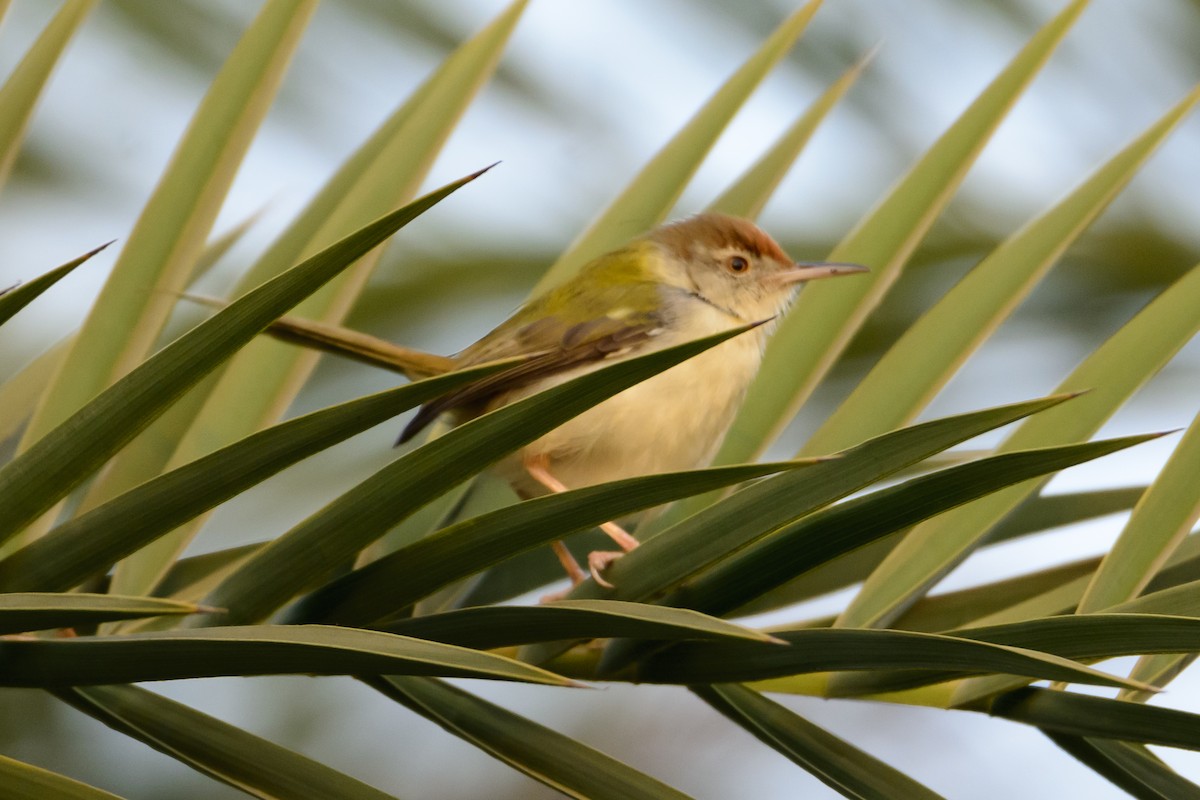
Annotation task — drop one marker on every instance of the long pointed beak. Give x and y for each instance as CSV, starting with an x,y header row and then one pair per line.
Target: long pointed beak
x,y
815,270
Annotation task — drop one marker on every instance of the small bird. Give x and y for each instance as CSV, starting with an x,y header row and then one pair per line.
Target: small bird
x,y
679,282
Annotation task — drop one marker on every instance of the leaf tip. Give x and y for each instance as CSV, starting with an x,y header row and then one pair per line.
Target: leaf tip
x,y
488,168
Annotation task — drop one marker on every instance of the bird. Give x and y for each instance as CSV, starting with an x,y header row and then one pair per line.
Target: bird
x,y
681,281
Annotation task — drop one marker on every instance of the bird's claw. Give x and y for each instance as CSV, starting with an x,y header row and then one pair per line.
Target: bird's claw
x,y
598,561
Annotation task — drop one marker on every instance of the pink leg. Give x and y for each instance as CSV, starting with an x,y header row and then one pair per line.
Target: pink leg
x,y
574,571
536,466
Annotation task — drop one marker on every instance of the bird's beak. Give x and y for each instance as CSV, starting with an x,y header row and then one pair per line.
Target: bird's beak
x,y
815,270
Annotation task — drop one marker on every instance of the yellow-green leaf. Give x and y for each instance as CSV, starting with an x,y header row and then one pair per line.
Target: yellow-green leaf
x,y
1164,515
649,196
26,782
825,317
1110,375
159,255
749,193
924,359
24,86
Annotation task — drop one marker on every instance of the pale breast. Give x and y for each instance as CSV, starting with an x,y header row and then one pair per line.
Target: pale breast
x,y
673,421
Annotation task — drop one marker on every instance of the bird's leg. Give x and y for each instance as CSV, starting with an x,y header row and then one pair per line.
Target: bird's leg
x,y
574,571
598,561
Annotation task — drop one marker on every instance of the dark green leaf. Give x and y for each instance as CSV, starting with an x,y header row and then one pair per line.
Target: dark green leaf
x,y
545,755
835,762
42,611
831,649
248,650
215,748
1081,715
92,541
1082,637
13,300
497,626
1131,767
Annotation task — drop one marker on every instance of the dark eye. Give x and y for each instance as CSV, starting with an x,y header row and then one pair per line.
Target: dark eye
x,y
737,264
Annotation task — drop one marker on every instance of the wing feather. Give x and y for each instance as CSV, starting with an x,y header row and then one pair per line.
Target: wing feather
x,y
552,346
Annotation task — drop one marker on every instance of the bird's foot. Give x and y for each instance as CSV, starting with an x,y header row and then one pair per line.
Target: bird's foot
x,y
598,561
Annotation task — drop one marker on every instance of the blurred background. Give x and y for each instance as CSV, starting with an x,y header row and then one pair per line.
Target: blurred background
x,y
587,93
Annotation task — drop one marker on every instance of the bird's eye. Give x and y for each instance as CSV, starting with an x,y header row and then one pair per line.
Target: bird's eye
x,y
737,264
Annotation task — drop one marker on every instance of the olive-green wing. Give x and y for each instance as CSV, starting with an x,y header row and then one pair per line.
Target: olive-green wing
x,y
552,345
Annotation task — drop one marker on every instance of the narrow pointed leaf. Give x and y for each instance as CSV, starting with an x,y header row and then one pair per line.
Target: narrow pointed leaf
x,y
930,352
650,196
1078,637
749,193
830,649
24,86
825,317
488,627
1183,568
1130,767
1112,373
543,754
159,254
836,763
465,548
63,458
246,650
26,782
344,196
1091,636
1067,712
15,299
191,579
313,550
1158,671
1159,523
231,755
37,611
91,542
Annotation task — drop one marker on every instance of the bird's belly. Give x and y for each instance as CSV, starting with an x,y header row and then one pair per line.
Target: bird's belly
x,y
673,421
